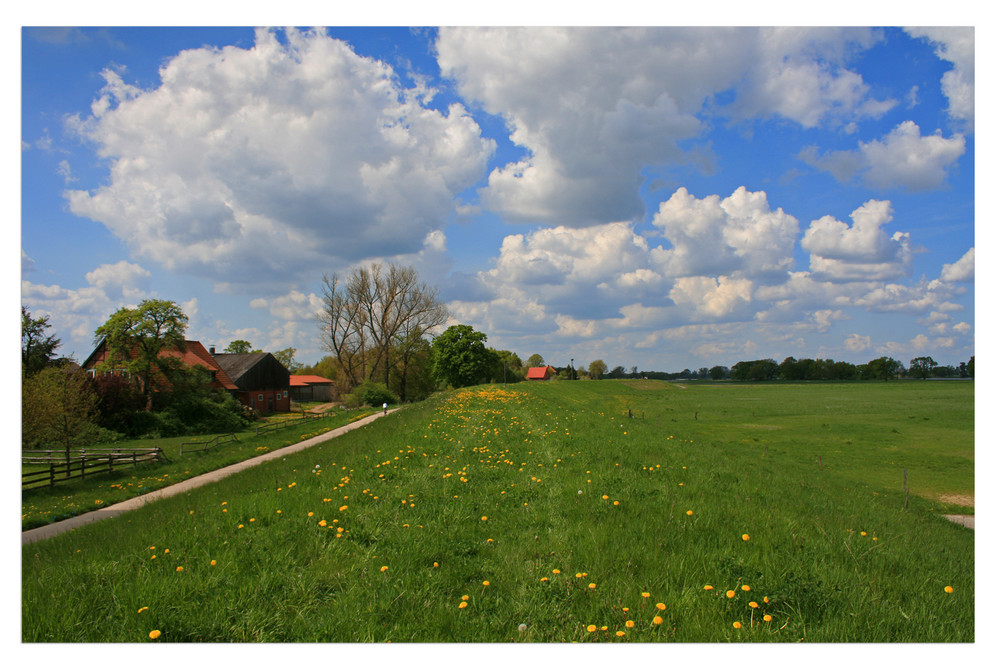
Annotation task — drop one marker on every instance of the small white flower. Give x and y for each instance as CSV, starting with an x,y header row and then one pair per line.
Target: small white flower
x,y
579,492
522,627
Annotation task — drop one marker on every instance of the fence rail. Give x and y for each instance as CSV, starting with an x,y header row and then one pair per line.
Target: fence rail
x,y
81,463
205,445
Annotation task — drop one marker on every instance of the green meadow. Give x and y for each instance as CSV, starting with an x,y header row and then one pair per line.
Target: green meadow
x,y
542,513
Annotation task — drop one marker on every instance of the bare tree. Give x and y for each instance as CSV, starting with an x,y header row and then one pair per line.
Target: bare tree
x,y
368,319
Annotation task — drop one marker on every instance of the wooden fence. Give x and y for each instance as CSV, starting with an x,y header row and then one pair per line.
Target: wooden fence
x,y
277,426
205,445
81,463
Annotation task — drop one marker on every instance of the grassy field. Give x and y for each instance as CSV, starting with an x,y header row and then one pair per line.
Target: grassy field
x,y
41,505
542,513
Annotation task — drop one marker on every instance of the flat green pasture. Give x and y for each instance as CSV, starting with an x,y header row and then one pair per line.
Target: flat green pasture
x,y
542,513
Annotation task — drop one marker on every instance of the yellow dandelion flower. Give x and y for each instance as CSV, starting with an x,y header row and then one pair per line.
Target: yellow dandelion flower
x,y
604,497
745,587
142,609
661,606
753,605
625,609
544,579
746,538
166,551
465,597
709,587
384,568
463,605
153,634
630,624
484,518
486,583
615,503
435,564
592,586
730,594
690,512
591,628
343,507
556,571
864,534
645,595
766,600
949,589
620,633
310,514
212,563
322,523
240,526
767,618
180,568
737,625
154,555
657,620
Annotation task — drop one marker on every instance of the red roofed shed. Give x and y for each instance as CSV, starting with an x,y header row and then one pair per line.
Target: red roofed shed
x,y
541,373
311,388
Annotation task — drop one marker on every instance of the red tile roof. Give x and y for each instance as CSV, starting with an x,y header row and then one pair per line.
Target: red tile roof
x,y
306,380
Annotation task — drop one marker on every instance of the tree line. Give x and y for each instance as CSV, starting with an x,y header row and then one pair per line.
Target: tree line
x,y
382,328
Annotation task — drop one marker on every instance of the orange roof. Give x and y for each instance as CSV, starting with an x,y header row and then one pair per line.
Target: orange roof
x,y
306,380
540,372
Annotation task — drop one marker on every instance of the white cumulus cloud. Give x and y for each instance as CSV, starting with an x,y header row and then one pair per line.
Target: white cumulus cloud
x,y
292,153
903,158
957,45
860,251
962,271
592,107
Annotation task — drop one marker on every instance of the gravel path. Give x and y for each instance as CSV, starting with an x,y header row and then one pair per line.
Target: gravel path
x,y
44,532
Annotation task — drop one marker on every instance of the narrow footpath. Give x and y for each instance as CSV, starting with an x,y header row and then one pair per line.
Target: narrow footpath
x,y
49,530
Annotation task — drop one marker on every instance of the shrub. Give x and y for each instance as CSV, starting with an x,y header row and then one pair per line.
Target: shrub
x,y
370,393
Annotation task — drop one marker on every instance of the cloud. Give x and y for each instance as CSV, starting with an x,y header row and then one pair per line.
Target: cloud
x,y
901,159
80,311
857,343
962,271
592,107
861,251
956,45
739,235
293,153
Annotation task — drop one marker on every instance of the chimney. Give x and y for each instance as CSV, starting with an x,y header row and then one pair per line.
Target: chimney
x,y
211,350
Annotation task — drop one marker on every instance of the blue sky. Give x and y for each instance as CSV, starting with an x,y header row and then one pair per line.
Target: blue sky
x,y
666,198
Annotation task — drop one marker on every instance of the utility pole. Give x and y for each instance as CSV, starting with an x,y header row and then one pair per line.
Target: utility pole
x,y
572,369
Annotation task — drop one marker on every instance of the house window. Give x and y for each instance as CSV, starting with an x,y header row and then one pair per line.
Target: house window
x,y
260,398
284,394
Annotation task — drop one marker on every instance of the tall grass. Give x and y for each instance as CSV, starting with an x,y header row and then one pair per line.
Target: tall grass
x,y
551,516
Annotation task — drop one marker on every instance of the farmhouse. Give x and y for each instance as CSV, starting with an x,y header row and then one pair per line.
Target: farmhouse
x,y
262,382
311,388
192,354
541,373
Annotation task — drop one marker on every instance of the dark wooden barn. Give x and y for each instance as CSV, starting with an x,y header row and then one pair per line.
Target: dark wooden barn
x,y
261,380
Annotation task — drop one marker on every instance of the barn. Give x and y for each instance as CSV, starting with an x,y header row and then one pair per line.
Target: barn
x,y
311,388
262,382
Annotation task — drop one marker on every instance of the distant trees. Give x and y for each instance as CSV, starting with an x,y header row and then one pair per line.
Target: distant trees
x,y
535,361
370,318
760,369
238,346
883,368
921,367
597,369
287,359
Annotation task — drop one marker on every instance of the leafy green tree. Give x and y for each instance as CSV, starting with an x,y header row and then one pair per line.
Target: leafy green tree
x,y
58,408
972,366
922,367
508,367
287,359
718,372
597,369
136,337
461,357
882,368
238,346
535,360
37,345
